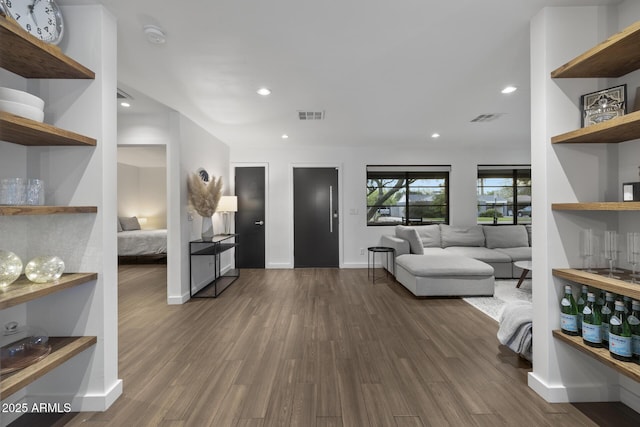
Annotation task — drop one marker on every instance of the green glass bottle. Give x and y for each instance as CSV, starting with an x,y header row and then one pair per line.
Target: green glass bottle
x,y
582,301
620,334
591,323
634,323
607,312
568,313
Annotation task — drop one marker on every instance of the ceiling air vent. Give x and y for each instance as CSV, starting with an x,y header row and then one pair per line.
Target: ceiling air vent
x,y
311,115
123,95
486,117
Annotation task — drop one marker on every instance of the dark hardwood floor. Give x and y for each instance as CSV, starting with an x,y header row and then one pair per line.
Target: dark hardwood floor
x,y
319,347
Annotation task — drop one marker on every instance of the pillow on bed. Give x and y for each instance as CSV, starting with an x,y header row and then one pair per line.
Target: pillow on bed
x,y
119,226
129,223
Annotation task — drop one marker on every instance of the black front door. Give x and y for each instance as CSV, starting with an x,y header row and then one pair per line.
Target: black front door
x,y
250,190
315,217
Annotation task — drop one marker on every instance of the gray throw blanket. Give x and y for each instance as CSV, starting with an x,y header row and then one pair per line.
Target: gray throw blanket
x,y
516,327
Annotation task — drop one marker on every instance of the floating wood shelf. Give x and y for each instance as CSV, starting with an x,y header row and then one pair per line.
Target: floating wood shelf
x,y
597,206
620,129
25,55
62,349
46,210
22,131
629,369
614,57
600,281
23,290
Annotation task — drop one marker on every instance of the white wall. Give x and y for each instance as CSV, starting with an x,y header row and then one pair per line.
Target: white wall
x,y
142,192
570,173
355,235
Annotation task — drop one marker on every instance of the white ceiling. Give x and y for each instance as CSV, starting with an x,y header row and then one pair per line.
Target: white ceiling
x,y
385,72
147,156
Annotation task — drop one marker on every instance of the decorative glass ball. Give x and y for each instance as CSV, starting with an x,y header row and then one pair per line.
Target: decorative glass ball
x,y
44,269
10,268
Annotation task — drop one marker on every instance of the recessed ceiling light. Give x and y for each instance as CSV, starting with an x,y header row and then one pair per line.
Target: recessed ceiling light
x,y
125,104
509,89
264,91
285,136
435,135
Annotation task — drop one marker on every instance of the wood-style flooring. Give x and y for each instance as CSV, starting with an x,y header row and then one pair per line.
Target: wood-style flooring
x,y
319,348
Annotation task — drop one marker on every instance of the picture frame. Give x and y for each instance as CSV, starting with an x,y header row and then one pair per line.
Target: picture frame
x,y
631,192
603,105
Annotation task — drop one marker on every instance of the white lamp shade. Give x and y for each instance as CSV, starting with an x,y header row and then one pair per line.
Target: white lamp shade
x,y
228,204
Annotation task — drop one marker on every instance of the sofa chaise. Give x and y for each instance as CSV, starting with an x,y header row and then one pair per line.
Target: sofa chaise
x,y
445,260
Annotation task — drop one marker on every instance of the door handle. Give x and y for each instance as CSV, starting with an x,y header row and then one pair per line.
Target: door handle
x,y
261,222
331,209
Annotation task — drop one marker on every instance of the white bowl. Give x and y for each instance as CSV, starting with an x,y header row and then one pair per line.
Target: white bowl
x,y
22,110
14,95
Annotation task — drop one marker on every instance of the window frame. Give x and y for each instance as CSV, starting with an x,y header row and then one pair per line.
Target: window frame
x,y
408,173
516,172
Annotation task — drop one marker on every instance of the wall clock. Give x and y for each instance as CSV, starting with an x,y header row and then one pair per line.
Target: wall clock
x,y
41,18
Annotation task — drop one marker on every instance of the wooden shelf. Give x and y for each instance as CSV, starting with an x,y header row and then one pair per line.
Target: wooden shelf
x,y
620,129
62,349
22,131
25,55
596,206
24,290
600,281
630,369
45,210
615,57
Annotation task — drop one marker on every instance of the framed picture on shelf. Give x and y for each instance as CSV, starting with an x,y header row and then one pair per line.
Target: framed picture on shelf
x,y
631,191
603,105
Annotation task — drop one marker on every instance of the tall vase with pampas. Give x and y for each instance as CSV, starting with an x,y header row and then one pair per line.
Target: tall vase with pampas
x,y
204,198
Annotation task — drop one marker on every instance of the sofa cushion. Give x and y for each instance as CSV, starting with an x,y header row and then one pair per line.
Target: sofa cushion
x,y
505,236
479,253
430,235
461,236
410,234
450,265
517,254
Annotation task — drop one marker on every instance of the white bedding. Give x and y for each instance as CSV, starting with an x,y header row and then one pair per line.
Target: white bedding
x,y
142,242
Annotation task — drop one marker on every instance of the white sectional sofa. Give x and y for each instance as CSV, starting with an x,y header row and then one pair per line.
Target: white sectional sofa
x,y
438,260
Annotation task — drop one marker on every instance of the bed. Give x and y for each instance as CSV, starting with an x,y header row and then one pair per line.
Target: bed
x,y
136,243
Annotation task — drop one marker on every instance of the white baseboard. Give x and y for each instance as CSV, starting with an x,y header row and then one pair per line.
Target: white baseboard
x,y
279,266
84,403
564,394
630,393
355,265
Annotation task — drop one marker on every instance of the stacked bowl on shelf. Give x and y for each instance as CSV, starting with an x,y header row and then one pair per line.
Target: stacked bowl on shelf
x,y
21,104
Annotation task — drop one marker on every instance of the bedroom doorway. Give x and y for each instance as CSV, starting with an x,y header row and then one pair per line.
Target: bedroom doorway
x,y
142,204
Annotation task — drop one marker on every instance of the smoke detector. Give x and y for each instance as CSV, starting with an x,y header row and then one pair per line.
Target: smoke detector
x,y
154,34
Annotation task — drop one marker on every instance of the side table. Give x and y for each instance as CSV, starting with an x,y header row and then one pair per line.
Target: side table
x,y
526,267
213,249
371,259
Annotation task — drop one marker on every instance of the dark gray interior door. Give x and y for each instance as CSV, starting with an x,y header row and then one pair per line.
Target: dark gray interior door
x,y
315,217
250,190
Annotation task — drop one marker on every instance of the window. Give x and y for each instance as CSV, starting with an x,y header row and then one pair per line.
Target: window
x,y
407,195
504,195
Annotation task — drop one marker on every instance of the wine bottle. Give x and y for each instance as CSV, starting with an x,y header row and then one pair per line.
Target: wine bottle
x,y
620,334
607,312
591,323
582,301
569,313
634,323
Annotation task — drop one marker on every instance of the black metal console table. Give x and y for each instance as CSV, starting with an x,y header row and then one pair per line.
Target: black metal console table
x,y
213,248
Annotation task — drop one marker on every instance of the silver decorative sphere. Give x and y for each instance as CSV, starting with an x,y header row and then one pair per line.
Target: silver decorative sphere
x,y
10,268
44,269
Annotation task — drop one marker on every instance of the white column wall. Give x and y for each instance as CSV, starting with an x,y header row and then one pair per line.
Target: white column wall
x,y
568,173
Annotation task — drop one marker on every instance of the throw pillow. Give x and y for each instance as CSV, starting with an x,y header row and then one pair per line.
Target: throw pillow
x,y
410,234
461,236
506,236
119,226
129,223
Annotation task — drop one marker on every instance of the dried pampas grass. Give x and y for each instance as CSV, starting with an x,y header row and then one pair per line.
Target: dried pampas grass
x,y
204,197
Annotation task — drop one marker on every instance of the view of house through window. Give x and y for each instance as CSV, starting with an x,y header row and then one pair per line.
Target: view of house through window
x,y
504,195
407,195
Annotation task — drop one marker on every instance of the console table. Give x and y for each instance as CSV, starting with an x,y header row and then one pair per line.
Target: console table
x,y
213,248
